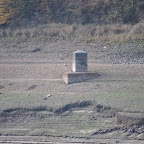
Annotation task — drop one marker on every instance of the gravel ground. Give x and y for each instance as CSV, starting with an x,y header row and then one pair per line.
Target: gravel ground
x,y
30,64
61,52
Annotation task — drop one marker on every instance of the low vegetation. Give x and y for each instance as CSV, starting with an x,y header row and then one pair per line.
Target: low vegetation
x,y
68,107
33,12
87,33
88,20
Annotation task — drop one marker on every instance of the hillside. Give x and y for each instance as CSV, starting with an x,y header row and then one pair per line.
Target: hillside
x,y
35,12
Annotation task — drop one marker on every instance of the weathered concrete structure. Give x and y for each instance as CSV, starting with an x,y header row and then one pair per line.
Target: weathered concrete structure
x,y
79,61
79,69
75,77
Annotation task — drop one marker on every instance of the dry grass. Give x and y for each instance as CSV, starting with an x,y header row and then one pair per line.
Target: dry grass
x,y
87,33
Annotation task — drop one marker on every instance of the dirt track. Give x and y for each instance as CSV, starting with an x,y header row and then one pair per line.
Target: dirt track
x,y
69,141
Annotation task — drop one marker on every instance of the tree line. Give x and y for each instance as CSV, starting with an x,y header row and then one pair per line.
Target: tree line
x,y
20,12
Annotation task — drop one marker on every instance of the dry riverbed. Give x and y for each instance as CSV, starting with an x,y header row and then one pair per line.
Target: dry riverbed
x,y
37,107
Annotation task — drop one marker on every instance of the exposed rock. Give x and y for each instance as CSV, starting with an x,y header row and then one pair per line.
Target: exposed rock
x,y
49,95
141,136
32,87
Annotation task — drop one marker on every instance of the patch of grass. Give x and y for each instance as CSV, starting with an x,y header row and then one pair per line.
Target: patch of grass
x,y
15,132
38,108
21,100
126,100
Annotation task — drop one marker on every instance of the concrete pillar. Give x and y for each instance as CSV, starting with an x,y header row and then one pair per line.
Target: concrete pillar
x,y
79,61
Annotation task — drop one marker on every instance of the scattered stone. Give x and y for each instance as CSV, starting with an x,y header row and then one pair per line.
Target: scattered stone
x,y
45,98
36,50
32,87
104,47
49,95
1,87
106,131
137,130
132,130
11,84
